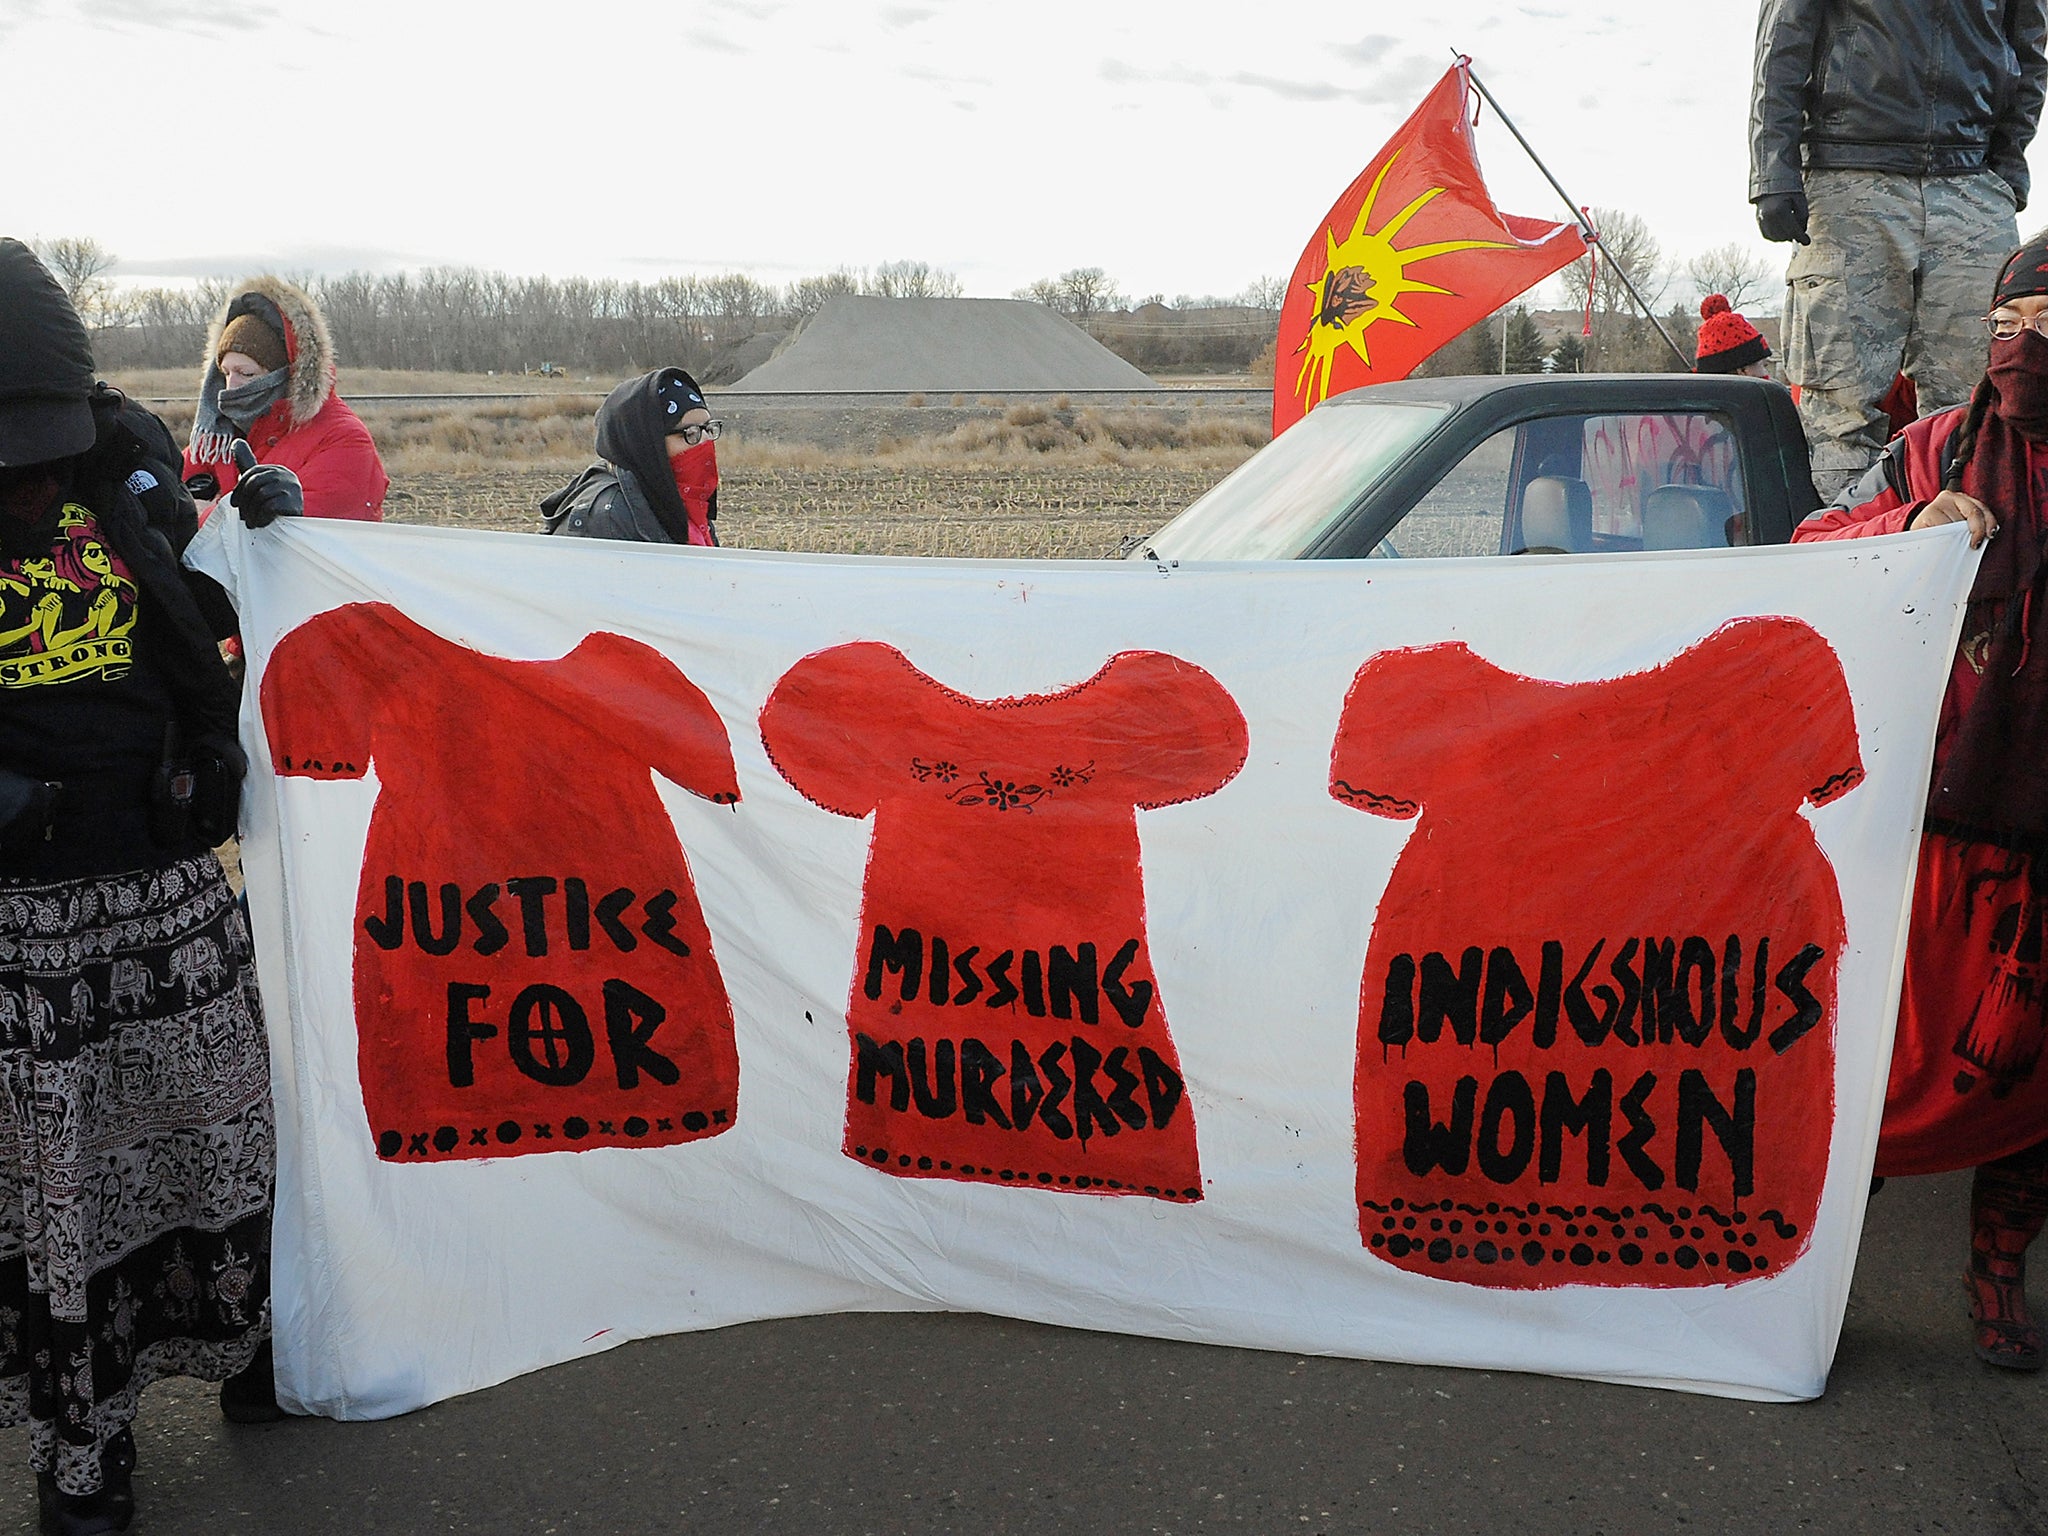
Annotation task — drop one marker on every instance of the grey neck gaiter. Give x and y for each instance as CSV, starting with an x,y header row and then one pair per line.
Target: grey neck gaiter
x,y
244,404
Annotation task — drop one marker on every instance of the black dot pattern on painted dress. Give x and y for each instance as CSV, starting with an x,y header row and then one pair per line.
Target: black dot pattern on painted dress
x,y
1693,1240
509,1137
925,1167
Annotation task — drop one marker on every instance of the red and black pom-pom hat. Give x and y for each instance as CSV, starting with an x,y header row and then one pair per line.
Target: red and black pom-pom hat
x,y
1728,343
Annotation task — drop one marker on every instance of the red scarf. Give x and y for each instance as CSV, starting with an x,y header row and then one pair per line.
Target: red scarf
x,y
696,472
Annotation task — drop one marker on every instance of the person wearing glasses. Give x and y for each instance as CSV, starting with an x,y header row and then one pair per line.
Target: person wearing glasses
x,y
657,476
1968,1085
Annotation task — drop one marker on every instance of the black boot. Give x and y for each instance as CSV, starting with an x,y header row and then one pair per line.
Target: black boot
x,y
84,1514
250,1395
91,1514
117,1475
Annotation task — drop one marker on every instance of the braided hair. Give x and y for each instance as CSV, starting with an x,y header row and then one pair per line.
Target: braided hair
x,y
2012,619
1966,435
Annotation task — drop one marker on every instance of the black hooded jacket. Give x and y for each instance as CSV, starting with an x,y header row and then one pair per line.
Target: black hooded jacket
x,y
131,476
129,479
632,494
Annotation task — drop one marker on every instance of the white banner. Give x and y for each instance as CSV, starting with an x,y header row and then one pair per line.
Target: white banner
x,y
1481,962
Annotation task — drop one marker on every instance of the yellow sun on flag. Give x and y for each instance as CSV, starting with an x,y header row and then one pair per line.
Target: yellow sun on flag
x,y
1363,282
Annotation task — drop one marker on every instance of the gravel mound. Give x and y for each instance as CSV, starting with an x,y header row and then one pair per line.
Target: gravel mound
x,y
940,345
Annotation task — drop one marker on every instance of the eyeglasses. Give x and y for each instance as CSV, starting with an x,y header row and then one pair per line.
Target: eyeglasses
x,y
707,433
2005,327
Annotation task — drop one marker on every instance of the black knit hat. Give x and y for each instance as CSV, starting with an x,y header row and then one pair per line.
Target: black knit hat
x,y
2025,272
46,367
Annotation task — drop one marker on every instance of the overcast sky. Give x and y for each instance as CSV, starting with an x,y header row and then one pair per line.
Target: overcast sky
x,y
1187,147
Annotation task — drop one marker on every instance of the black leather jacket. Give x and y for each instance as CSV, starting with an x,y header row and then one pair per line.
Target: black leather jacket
x,y
1925,87
607,501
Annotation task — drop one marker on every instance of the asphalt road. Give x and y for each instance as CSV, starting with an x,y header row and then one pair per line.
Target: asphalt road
x,y
962,1423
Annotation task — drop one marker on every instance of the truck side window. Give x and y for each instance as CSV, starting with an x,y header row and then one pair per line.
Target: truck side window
x,y
1586,485
1667,480
1462,513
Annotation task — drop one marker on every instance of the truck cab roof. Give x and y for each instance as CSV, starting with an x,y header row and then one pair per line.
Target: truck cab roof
x,y
1509,464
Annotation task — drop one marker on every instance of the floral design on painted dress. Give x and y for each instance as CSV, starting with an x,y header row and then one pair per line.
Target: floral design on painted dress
x,y
997,791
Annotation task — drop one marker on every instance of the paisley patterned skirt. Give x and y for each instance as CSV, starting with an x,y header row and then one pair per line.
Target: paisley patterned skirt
x,y
137,1150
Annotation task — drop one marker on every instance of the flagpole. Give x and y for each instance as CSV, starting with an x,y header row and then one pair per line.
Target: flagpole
x,y
1578,213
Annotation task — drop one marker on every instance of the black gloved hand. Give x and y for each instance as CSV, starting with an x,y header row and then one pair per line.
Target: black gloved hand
x,y
1782,216
203,486
265,492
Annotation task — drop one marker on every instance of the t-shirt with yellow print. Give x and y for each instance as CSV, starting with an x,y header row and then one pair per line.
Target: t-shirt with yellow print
x,y
68,613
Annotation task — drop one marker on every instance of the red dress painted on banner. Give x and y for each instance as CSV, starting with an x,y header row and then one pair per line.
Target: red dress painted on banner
x,y
1596,1026
1965,1088
1007,1025
532,969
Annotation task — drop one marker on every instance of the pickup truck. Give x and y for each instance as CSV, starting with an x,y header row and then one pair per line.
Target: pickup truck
x,y
1509,465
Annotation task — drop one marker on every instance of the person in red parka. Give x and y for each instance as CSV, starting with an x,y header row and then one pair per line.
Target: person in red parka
x,y
268,378
1968,1086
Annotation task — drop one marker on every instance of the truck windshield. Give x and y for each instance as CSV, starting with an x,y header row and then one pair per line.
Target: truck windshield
x,y
1277,502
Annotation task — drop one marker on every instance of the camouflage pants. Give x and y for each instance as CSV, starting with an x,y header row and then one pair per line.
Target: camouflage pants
x,y
1900,271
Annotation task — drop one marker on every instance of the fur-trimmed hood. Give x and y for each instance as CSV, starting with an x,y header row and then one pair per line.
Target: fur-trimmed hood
x,y
309,353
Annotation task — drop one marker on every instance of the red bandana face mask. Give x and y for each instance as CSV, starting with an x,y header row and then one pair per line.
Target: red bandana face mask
x,y
26,491
696,472
2019,371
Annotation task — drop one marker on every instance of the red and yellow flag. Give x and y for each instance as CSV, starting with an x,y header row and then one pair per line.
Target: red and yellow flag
x,y
1410,255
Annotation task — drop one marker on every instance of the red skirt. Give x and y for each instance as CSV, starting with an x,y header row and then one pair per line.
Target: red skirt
x,y
1967,1084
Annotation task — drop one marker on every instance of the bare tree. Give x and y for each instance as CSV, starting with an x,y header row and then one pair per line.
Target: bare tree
x,y
1627,243
1624,340
1088,291
736,302
469,319
1046,291
1264,293
84,270
913,280
165,326
1734,271
1076,293
807,295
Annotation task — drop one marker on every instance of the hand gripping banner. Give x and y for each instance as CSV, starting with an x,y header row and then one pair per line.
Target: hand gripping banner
x,y
1486,963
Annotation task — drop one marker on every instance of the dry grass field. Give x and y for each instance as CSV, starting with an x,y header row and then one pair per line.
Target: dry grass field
x,y
1022,481
983,478
994,510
